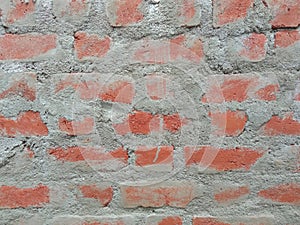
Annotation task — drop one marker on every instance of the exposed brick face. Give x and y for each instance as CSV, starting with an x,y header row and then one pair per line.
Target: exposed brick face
x,y
285,193
17,10
23,85
230,123
90,45
146,156
240,88
26,46
229,11
27,124
173,194
156,87
285,13
284,39
225,159
101,194
254,220
189,13
231,194
124,12
82,127
122,91
254,47
145,123
75,154
15,197
71,10
281,126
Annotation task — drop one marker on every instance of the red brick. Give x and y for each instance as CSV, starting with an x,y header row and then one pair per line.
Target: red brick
x,y
124,12
102,194
228,11
13,197
231,194
86,89
122,91
186,47
189,13
77,154
254,220
82,127
297,97
174,122
27,124
233,88
240,88
268,93
221,159
156,87
70,9
146,156
23,85
25,46
90,46
174,194
286,38
119,91
17,10
140,122
281,126
284,193
286,13
230,123
164,220
180,48
254,47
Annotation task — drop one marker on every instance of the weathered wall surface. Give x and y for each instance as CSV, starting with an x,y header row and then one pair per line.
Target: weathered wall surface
x,y
150,112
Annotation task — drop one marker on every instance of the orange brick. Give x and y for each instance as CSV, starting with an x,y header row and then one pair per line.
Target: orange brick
x,y
231,194
82,127
254,47
286,38
124,12
230,123
13,197
102,194
285,193
281,126
228,11
89,46
286,13
224,160
26,46
27,124
175,194
146,156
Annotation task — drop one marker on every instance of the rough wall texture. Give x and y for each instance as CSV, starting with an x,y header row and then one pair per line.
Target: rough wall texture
x,y
150,112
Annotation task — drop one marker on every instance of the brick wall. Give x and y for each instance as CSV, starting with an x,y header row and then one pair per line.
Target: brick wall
x,y
152,112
